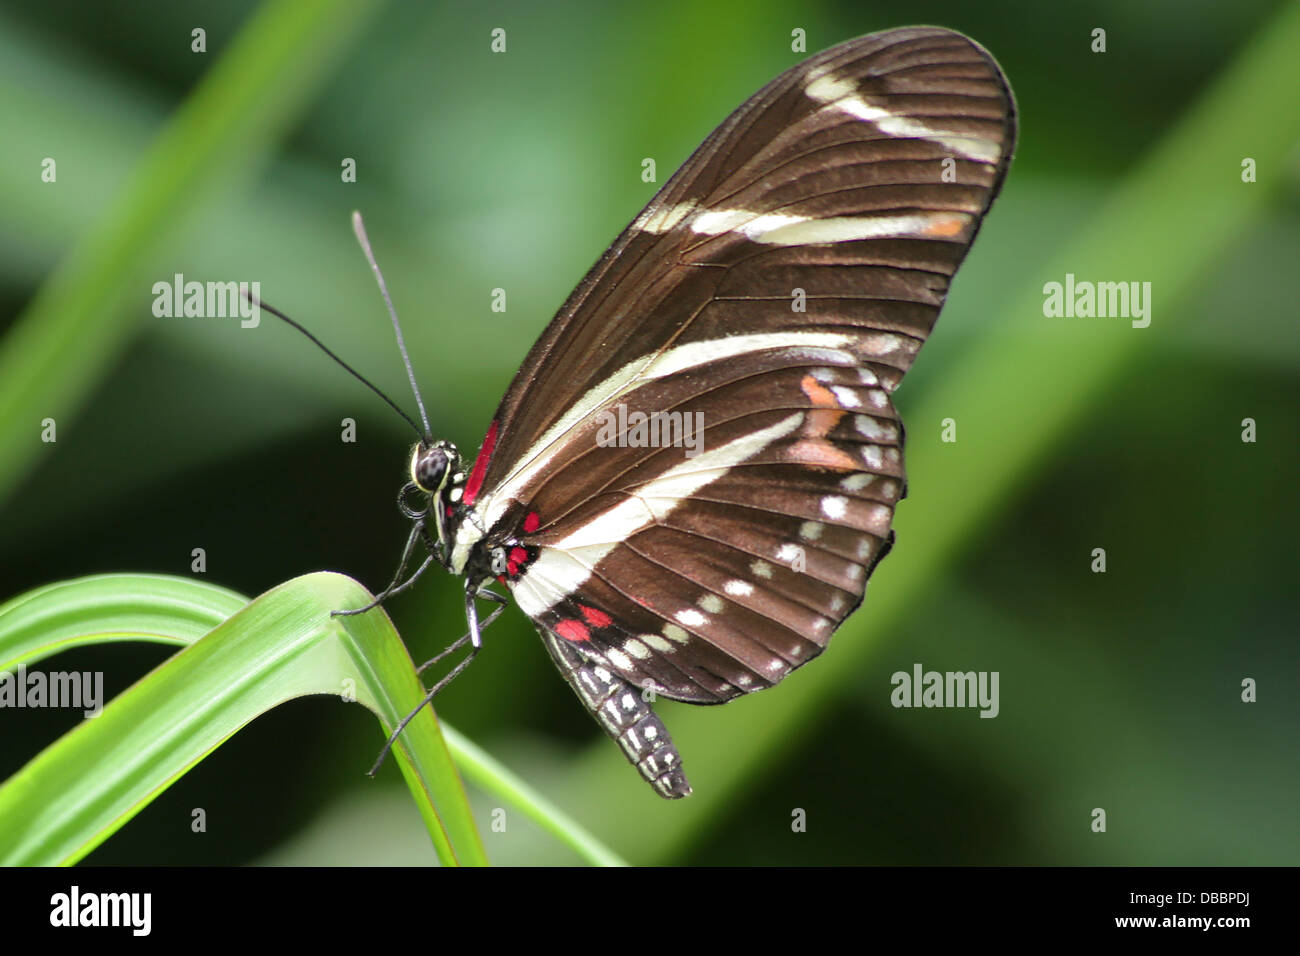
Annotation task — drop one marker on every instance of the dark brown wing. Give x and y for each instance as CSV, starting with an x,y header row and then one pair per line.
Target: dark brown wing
x,y
773,293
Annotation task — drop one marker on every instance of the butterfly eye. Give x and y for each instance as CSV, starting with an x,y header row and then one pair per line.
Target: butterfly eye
x,y
430,469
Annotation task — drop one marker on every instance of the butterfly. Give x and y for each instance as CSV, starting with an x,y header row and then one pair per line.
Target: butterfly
x,y
695,470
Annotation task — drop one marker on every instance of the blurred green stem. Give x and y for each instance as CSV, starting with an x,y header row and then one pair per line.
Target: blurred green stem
x,y
84,314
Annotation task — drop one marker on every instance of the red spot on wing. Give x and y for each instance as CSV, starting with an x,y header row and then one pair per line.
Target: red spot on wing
x,y
515,560
475,483
532,522
595,617
572,630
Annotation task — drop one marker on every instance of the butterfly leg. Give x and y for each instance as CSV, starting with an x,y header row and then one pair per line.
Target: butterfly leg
x,y
471,612
474,638
428,697
465,638
417,532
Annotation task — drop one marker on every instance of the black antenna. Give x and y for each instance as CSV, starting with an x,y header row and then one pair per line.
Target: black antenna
x,y
324,348
359,228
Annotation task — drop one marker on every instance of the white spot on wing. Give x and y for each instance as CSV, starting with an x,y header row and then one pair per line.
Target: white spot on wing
x,y
846,396
881,515
857,481
761,569
873,429
880,343
711,603
811,530
657,643
618,658
833,506
691,617
675,633
788,552
738,588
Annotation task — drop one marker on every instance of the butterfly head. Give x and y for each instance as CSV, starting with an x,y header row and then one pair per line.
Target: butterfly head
x,y
436,468
437,471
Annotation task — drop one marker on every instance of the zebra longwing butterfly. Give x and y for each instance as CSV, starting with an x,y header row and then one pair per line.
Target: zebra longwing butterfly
x,y
774,291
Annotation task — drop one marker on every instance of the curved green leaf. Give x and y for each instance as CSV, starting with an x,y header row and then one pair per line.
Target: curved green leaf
x,y
283,645
114,607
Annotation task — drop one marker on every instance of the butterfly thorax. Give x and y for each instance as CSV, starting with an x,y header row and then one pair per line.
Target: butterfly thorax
x,y
466,547
501,552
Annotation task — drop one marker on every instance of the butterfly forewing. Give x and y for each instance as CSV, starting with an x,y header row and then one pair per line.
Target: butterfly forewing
x,y
769,299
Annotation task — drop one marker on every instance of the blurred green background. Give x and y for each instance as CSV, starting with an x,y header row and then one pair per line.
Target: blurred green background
x,y
477,171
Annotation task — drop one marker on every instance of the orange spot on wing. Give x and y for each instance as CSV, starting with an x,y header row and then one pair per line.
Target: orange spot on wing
x,y
946,228
826,413
823,454
817,393
820,421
